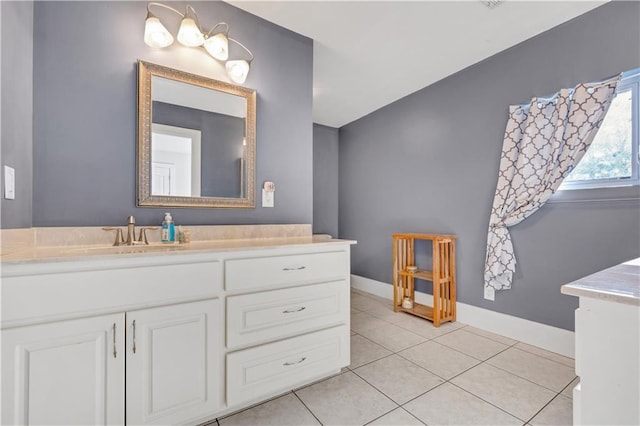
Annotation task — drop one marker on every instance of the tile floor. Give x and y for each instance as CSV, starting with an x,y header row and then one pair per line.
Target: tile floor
x,y
404,371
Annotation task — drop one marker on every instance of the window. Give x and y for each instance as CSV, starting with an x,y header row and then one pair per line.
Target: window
x,y
612,158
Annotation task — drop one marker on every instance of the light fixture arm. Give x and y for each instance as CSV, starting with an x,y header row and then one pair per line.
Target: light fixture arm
x,y
225,32
244,47
195,16
165,6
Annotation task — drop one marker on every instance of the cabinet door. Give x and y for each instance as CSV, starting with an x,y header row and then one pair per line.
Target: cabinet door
x,y
64,373
173,368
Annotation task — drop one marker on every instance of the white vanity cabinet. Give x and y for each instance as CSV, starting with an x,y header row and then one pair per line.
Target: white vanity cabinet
x,y
608,346
170,338
65,373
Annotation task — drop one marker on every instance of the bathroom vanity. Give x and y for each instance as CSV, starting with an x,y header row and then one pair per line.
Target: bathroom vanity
x,y
608,346
169,335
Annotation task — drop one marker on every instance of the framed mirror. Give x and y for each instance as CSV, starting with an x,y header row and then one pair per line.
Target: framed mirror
x,y
196,140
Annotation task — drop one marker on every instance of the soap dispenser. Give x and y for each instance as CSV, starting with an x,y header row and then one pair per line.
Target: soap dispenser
x,y
168,229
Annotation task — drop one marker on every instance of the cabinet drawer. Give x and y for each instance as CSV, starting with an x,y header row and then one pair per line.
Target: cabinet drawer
x,y
40,298
265,316
281,271
263,370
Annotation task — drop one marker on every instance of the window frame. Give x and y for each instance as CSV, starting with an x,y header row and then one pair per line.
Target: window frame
x,y
630,81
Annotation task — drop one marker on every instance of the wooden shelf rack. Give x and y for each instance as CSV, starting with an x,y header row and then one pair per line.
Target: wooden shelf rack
x,y
442,275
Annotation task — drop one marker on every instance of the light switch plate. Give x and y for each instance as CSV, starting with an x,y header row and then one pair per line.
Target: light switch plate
x,y
489,293
9,183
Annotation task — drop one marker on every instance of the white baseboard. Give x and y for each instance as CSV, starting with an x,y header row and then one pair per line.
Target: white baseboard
x,y
534,333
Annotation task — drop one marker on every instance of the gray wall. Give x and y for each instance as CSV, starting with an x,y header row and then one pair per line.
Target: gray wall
x,y
325,180
17,110
221,145
429,163
85,57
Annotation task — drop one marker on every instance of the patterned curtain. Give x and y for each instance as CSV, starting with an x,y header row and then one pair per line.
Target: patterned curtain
x,y
543,142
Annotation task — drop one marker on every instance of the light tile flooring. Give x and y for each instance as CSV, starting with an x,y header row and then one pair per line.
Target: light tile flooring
x,y
404,371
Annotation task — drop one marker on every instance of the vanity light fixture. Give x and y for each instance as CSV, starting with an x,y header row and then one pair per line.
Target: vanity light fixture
x,y
215,41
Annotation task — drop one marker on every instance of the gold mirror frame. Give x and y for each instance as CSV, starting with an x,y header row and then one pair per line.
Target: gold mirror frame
x,y
145,199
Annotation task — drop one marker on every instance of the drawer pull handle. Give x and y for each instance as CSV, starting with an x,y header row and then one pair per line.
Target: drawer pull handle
x,y
115,353
294,310
300,268
286,364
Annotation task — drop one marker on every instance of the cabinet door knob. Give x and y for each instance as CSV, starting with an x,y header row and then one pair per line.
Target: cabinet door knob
x,y
286,364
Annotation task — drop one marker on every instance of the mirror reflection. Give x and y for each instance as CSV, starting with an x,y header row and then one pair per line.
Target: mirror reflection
x,y
196,140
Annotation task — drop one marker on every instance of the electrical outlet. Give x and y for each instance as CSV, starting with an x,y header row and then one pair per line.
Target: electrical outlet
x,y
489,293
9,183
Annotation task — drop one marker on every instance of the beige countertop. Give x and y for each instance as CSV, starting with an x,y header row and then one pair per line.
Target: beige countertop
x,y
620,284
21,256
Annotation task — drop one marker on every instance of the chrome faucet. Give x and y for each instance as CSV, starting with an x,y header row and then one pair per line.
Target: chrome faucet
x,y
131,234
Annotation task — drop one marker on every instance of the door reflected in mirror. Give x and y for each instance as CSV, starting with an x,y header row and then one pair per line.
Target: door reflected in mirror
x,y
196,140
175,161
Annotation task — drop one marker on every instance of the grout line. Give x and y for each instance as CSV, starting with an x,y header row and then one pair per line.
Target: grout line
x,y
308,409
368,423
488,402
395,408
426,369
569,384
376,388
515,342
411,414
378,359
379,390
424,393
543,407
496,354
531,381
544,357
257,404
371,362
340,373
524,378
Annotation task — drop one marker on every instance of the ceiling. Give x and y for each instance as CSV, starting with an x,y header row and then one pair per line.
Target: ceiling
x,y
368,54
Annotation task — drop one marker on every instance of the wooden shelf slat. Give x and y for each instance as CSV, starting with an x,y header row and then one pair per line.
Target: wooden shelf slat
x,y
420,274
420,310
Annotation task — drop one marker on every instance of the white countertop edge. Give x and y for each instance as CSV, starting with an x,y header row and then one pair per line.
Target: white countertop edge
x,y
44,261
580,291
619,284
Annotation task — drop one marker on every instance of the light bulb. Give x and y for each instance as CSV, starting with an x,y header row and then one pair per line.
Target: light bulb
x,y
189,34
238,70
155,34
218,46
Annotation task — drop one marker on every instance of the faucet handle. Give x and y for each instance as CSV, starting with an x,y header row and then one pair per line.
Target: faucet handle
x,y
142,237
119,238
